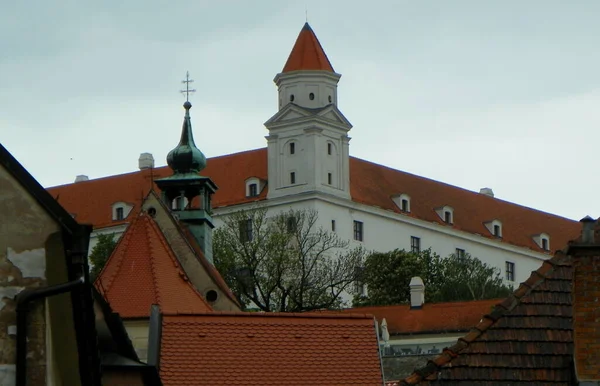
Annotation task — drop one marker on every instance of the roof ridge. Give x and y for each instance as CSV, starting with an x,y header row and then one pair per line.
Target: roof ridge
x,y
148,229
537,277
299,315
175,262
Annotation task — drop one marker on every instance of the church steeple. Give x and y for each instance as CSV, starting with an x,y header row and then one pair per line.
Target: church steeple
x,y
186,157
187,193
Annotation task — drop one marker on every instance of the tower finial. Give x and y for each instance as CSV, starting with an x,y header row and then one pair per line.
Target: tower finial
x,y
306,12
187,90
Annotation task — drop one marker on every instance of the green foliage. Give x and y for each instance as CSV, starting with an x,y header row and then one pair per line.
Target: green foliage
x,y
100,253
455,278
286,262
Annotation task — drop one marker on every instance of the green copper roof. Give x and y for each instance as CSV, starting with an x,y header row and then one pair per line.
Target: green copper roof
x,y
186,157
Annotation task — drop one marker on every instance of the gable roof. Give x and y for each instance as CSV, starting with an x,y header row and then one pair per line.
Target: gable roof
x,y
143,271
525,340
370,184
307,54
265,349
431,317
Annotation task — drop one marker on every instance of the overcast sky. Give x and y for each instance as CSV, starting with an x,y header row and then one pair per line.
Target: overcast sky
x,y
501,94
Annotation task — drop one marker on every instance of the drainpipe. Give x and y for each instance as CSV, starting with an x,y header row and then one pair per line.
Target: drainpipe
x,y
23,299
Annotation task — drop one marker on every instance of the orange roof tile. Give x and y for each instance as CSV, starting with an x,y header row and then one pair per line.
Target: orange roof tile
x,y
265,349
370,184
307,53
143,271
431,318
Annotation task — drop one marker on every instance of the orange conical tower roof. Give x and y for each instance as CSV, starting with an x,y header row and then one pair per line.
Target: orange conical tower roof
x,y
307,53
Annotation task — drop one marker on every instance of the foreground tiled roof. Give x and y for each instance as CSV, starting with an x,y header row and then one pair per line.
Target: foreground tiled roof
x,y
264,349
370,184
307,53
143,271
431,318
526,340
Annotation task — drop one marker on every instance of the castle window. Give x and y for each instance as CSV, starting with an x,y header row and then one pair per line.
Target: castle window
x,y
329,148
358,230
246,230
252,190
415,244
510,271
292,98
460,253
333,225
448,217
497,231
329,99
329,178
545,244
292,178
291,224
311,96
292,148
119,214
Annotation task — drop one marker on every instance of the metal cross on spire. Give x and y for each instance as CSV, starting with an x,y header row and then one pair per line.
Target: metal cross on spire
x,y
187,90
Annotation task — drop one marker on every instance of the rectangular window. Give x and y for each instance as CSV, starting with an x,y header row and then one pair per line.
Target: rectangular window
x,y
329,148
333,225
497,230
252,190
460,252
119,214
448,217
358,230
405,205
292,148
510,271
545,244
359,283
246,230
291,224
329,178
415,244
292,178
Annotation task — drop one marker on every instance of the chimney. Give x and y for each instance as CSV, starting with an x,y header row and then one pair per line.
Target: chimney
x,y
146,161
487,192
417,293
81,178
585,255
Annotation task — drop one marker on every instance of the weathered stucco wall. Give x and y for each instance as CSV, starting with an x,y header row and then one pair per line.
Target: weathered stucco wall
x,y
32,256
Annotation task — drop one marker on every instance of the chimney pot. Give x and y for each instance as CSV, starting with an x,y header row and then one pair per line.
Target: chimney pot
x,y
417,292
487,192
81,178
587,233
146,161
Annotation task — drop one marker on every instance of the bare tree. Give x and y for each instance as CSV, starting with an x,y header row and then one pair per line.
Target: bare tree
x,y
286,262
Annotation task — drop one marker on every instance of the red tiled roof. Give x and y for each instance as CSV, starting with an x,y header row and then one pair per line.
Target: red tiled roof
x,y
307,53
370,184
143,271
525,340
431,318
265,349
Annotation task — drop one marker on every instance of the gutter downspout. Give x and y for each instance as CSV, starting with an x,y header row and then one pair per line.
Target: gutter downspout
x,y
23,299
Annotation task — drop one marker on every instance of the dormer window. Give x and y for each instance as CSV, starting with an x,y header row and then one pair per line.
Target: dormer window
x,y
252,190
120,211
402,201
254,186
543,241
494,227
446,213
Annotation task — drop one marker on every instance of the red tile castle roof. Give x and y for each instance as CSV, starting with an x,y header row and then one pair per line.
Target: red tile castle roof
x,y
264,349
143,271
307,54
431,318
370,184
